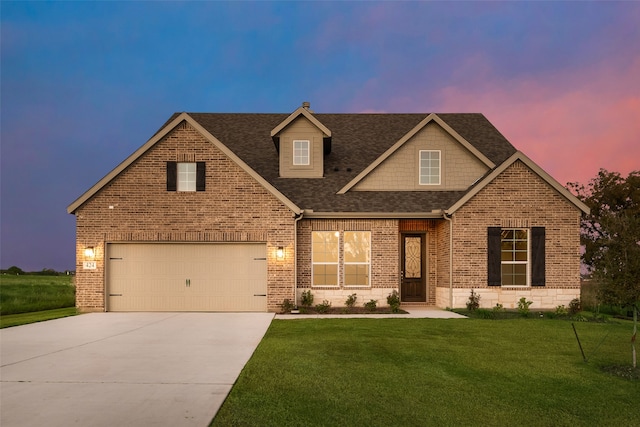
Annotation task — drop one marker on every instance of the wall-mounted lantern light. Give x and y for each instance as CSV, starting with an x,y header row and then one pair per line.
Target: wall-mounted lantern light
x,y
280,252
89,252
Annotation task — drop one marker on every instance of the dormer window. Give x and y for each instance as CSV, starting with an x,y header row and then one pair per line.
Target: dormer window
x,y
430,167
301,152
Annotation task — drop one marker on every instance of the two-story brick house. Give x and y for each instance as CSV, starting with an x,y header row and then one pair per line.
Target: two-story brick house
x,y
237,212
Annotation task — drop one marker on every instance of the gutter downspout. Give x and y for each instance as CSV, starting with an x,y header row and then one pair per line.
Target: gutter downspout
x,y
297,217
447,217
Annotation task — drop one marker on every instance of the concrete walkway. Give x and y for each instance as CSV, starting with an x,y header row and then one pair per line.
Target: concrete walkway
x,y
417,312
124,369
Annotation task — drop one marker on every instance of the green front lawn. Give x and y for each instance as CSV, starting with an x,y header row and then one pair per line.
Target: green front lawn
x,y
389,372
36,316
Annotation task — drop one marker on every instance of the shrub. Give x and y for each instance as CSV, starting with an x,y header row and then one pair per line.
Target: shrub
x,y
574,307
351,301
523,306
287,306
498,310
307,298
371,305
484,313
324,307
474,301
561,310
393,299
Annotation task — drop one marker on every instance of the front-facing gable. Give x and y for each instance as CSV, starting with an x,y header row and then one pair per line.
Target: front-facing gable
x,y
458,167
521,157
398,168
162,133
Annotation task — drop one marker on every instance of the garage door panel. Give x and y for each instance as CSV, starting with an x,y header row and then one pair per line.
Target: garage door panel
x,y
187,277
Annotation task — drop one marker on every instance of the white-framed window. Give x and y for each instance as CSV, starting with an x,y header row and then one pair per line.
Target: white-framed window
x,y
301,152
430,167
186,176
357,258
514,254
325,247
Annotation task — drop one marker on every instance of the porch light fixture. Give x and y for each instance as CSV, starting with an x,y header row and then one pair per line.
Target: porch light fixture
x,y
89,252
280,252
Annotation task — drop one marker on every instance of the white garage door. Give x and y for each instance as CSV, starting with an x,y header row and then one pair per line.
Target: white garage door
x,y
186,277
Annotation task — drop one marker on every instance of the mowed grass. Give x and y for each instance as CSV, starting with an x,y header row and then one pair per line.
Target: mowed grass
x,y
422,372
29,293
9,320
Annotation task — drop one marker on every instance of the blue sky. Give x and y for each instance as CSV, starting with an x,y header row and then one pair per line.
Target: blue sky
x,y
84,84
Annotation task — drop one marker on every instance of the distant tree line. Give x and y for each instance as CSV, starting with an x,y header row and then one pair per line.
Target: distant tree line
x,y
14,270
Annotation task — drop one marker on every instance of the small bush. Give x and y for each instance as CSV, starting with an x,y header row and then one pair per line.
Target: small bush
x,y
287,306
324,307
523,306
561,310
574,307
393,299
307,299
351,301
474,301
497,310
371,305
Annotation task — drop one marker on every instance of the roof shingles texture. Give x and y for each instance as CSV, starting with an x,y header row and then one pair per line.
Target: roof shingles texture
x,y
357,141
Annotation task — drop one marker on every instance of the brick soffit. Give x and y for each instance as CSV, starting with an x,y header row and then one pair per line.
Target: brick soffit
x,y
157,137
519,155
430,118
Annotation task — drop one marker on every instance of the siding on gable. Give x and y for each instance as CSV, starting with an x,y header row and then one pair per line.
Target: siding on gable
x,y
301,128
233,208
516,198
400,172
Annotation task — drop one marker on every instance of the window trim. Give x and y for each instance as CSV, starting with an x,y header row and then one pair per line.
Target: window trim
x,y
336,263
186,181
420,168
527,263
345,263
306,157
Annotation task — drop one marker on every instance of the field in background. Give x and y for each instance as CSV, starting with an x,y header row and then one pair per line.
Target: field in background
x,y
28,293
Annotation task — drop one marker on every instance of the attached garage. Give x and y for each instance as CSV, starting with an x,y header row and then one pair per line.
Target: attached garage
x,y
186,277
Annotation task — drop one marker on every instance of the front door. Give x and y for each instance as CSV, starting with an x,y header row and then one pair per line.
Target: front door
x,y
413,287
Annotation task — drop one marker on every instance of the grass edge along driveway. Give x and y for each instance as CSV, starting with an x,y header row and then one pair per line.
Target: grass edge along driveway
x,y
384,372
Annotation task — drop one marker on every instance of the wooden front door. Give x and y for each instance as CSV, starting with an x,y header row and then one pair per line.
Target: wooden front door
x,y
413,286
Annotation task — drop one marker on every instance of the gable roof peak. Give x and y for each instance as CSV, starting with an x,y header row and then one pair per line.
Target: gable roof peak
x,y
304,110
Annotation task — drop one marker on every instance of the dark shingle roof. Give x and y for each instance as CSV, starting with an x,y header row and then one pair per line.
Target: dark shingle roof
x,y
357,140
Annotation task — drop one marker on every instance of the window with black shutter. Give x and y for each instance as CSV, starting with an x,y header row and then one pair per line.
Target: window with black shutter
x,y
515,256
182,176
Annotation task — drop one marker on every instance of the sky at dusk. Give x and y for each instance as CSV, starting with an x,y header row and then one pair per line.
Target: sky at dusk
x,y
84,84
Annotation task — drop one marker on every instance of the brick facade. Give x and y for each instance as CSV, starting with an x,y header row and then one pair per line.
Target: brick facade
x,y
136,207
384,259
517,198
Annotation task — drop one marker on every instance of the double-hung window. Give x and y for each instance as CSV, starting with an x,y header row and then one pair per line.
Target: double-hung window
x,y
357,258
301,152
186,176
516,256
430,167
325,248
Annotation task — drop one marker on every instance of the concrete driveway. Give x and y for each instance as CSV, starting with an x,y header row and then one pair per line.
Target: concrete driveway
x,y
124,369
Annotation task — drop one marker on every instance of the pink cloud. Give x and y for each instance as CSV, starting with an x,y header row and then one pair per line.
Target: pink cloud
x,y
571,123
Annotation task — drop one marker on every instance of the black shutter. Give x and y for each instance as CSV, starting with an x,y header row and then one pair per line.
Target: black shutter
x,y
494,256
200,176
537,256
172,176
